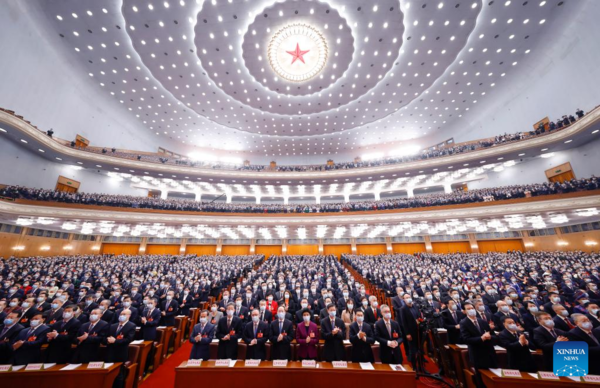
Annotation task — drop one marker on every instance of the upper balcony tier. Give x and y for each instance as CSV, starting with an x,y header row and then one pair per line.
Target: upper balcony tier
x,y
19,130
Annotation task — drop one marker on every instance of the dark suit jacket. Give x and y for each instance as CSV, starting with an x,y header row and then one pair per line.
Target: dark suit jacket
x,y
281,350
228,348
409,323
361,349
170,312
544,341
266,315
560,324
87,351
107,316
200,349
244,314
334,343
370,317
258,351
59,348
450,325
397,304
387,354
53,316
30,351
152,322
481,353
119,350
519,356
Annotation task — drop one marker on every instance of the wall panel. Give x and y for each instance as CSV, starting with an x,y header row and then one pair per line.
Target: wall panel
x,y
451,247
302,249
337,250
233,250
120,249
486,246
267,250
371,249
408,248
162,249
201,250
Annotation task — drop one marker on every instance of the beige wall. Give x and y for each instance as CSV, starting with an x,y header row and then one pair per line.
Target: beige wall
x,y
575,241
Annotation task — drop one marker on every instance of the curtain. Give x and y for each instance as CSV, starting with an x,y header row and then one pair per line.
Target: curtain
x,y
162,249
234,250
302,249
120,249
267,250
371,249
408,248
201,250
500,245
337,249
451,247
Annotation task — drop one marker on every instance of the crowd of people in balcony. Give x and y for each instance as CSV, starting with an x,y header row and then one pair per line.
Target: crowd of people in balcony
x,y
432,152
454,198
521,301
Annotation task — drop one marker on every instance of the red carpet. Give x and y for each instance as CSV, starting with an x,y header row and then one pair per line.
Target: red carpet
x,y
164,376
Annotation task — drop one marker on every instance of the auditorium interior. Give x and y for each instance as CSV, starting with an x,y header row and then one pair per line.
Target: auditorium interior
x,y
299,192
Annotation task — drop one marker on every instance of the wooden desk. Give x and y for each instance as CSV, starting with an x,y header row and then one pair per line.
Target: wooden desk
x,y
54,377
165,340
144,351
292,376
492,381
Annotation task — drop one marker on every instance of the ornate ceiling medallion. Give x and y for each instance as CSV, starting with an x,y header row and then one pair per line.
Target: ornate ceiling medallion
x,y
297,52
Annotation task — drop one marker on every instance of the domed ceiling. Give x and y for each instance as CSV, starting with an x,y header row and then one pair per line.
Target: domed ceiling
x,y
299,77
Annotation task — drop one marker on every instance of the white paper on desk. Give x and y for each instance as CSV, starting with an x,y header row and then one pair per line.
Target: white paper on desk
x,y
462,346
574,378
215,341
239,340
496,371
534,375
442,330
397,367
48,366
366,366
71,367
232,363
496,347
161,327
17,367
108,364
138,342
347,342
376,343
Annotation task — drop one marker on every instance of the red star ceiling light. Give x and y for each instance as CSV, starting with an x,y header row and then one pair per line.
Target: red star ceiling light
x,y
307,59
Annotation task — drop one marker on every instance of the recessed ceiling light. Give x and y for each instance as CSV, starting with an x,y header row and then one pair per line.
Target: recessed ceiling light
x,y
542,21
2,130
57,158
79,163
523,154
568,141
41,150
596,131
24,141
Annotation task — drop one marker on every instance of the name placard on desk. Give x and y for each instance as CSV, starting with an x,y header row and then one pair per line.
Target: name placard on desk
x,y
222,363
96,365
309,364
5,368
280,363
548,376
591,378
193,363
34,366
340,364
511,373
252,363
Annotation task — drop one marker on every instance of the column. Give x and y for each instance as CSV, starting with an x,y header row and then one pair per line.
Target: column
x,y
198,196
164,194
353,245
388,244
252,246
473,242
219,246
346,197
284,246
320,246
318,200
144,242
409,192
286,200
377,195
257,200
183,246
228,196
428,246
448,188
